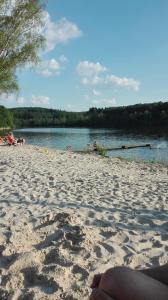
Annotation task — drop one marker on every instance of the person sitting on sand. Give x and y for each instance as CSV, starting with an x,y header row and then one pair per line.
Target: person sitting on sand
x,y
1,139
122,283
20,141
10,139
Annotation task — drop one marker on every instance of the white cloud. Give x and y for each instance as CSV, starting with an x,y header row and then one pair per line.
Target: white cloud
x,y
48,68
85,81
87,97
123,82
53,64
45,73
111,80
35,100
89,69
40,100
105,102
11,97
94,81
20,100
90,76
59,32
63,59
96,92
7,97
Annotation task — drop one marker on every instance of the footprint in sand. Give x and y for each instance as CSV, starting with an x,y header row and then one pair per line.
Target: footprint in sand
x,y
50,240
54,257
107,247
67,236
81,271
75,235
107,234
33,279
128,258
2,248
98,251
164,237
51,218
157,244
68,297
91,214
7,261
27,295
4,295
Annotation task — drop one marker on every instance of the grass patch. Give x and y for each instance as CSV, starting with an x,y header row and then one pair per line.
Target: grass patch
x,y
100,150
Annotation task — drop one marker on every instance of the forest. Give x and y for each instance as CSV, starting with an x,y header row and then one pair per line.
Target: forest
x,y
139,116
6,118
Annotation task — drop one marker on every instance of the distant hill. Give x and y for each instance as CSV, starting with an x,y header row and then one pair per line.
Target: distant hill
x,y
43,117
6,118
149,115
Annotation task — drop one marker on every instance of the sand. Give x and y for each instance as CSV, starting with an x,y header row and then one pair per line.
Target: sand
x,y
66,216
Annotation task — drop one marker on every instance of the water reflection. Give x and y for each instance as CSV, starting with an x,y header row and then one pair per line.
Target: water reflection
x,y
78,138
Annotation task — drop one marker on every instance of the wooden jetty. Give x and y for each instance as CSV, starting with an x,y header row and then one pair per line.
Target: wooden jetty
x,y
111,148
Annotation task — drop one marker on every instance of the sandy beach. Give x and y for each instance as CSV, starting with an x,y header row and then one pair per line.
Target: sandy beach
x,y
66,216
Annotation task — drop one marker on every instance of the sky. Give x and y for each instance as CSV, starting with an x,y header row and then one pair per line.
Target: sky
x,y
98,53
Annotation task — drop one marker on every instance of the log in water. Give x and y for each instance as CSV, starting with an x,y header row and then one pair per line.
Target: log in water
x,y
111,148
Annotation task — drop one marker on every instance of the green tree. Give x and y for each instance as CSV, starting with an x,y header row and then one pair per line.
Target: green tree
x,y
6,119
20,38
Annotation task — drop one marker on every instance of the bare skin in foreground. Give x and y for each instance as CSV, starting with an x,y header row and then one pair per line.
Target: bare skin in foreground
x,y
121,283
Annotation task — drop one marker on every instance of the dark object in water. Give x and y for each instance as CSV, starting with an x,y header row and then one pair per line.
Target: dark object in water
x,y
149,145
123,147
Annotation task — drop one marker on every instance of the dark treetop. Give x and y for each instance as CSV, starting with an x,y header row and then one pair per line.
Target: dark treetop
x,y
145,116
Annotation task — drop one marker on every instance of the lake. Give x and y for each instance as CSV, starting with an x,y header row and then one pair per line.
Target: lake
x,y
78,138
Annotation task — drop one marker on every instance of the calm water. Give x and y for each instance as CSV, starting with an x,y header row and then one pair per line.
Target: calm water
x,y
78,138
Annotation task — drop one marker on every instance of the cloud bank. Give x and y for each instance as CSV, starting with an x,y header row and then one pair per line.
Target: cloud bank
x,y
91,75
34,100
48,68
59,32
89,69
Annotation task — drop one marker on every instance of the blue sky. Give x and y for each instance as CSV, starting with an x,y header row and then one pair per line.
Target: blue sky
x,y
98,53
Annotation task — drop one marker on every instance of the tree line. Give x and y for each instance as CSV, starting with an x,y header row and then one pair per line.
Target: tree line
x,y
142,116
6,118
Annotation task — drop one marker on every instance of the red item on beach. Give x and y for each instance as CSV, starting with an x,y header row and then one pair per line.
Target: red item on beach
x,y
10,140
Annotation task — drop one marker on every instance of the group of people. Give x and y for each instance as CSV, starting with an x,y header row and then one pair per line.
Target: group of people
x,y
10,140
